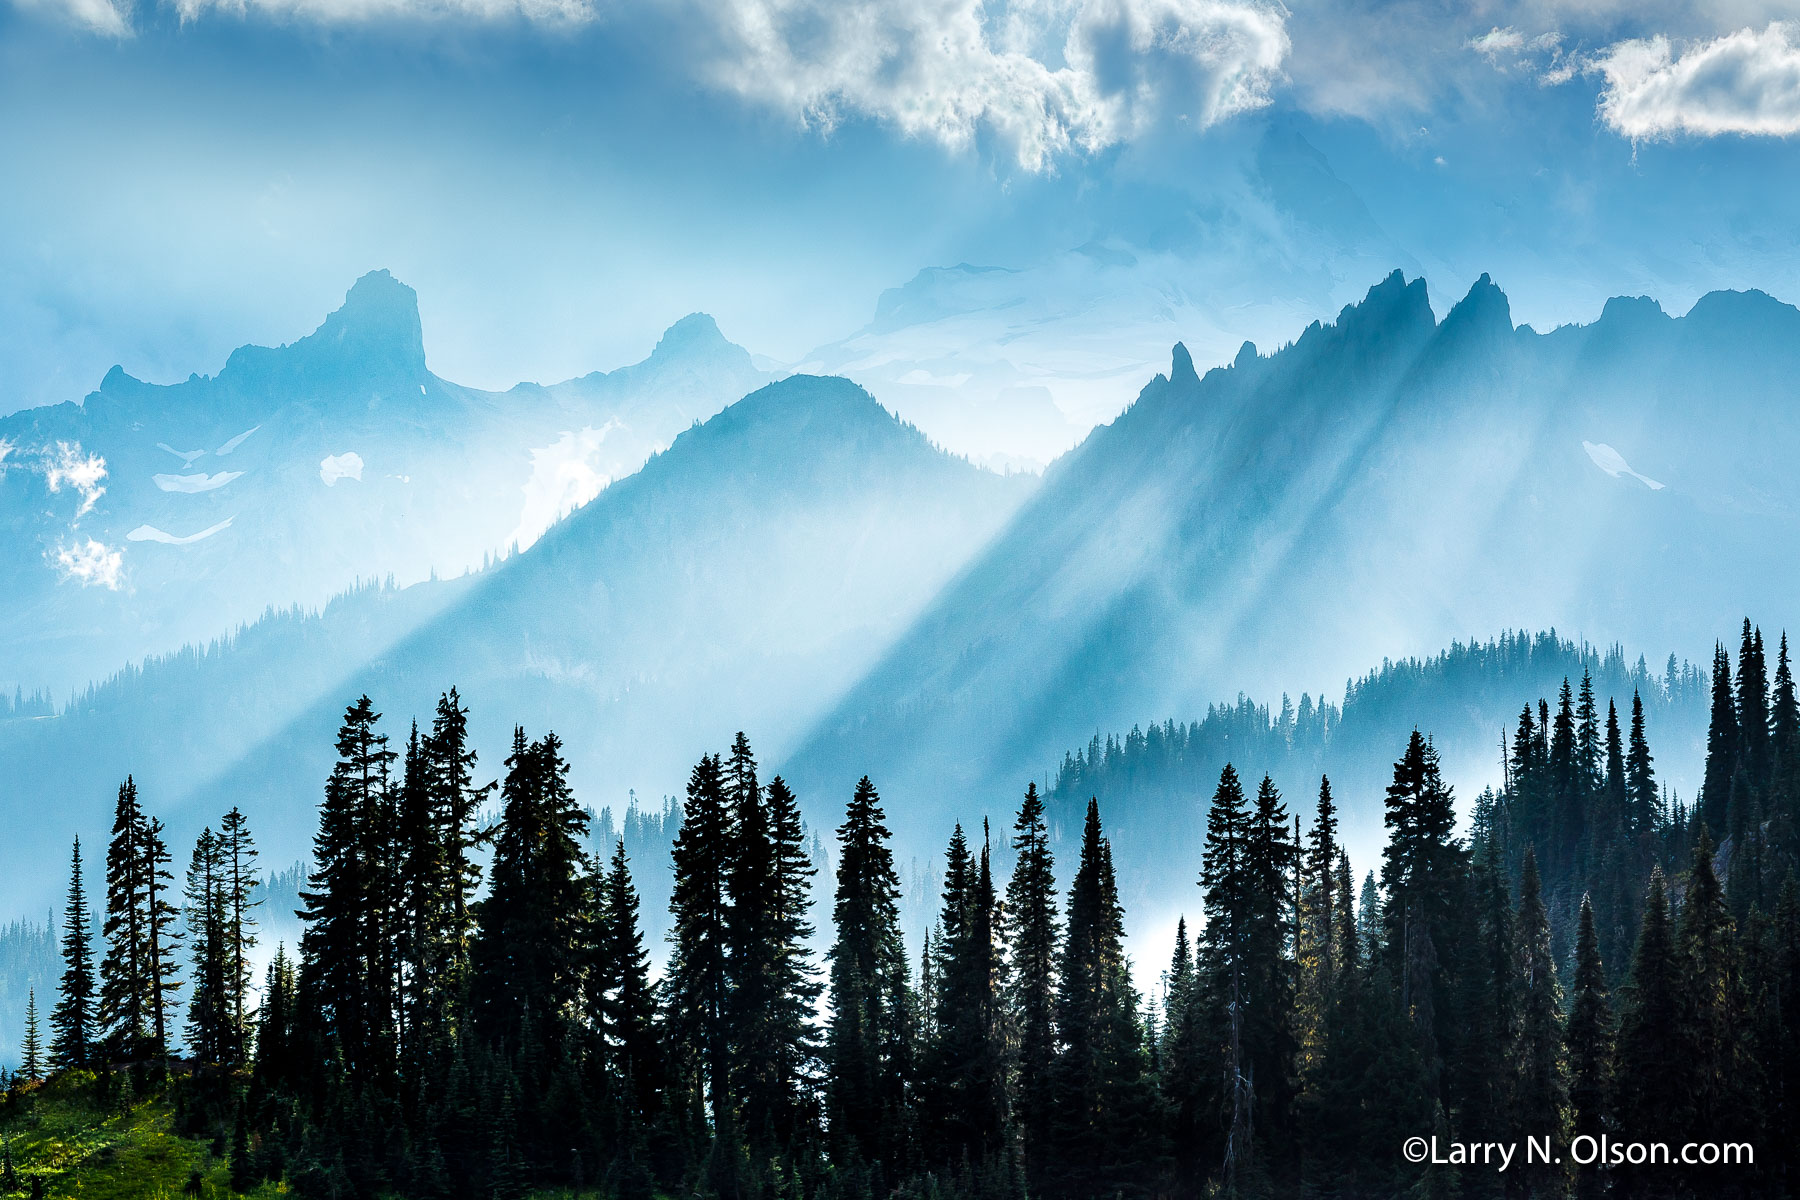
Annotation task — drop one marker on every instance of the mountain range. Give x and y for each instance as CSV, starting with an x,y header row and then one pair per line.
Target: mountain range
x,y
149,516
811,569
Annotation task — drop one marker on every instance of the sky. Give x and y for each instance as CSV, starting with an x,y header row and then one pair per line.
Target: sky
x,y
562,179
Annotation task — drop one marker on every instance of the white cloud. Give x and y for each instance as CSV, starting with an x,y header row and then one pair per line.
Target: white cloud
x,y
1746,82
564,476
105,17
91,564
68,466
334,467
1044,77
357,12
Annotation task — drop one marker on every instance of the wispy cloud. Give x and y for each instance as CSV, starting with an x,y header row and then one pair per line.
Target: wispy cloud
x,y
109,18
1746,82
91,564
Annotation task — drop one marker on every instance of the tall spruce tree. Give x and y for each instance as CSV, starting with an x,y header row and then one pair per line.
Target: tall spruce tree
x,y
968,1065
697,985
162,938
1640,774
344,993
1032,935
1541,1095
771,985
209,1014
1100,1073
125,983
870,1030
1589,1042
1722,744
625,1003
31,1050
238,879
1653,1100
74,1022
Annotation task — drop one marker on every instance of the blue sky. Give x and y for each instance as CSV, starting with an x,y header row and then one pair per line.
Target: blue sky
x,y
560,179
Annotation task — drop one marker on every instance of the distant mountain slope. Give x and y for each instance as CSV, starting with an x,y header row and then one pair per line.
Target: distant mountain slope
x,y
149,515
742,580
1383,486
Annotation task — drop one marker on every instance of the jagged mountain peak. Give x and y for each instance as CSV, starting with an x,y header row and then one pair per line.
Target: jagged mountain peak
x,y
1181,367
376,332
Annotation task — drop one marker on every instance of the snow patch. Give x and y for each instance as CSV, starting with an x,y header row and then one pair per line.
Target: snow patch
x,y
564,476
187,457
68,466
194,483
334,467
91,564
237,441
150,533
1614,464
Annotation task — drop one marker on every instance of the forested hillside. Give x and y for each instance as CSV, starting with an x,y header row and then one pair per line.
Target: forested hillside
x,y
1592,957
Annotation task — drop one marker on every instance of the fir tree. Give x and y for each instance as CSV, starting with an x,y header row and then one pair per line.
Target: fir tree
x,y
697,986
1589,1041
1032,930
870,1031
161,937
1652,1097
238,881
73,1023
626,1000
1640,777
209,1016
1722,743
125,983
1541,1088
31,1051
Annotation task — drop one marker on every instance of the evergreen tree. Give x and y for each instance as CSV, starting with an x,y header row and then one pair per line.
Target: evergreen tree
x,y
162,938
1423,866
530,941
697,986
1268,1032
1101,1096
1784,742
125,983
1753,710
344,993
74,1022
1589,1042
1722,743
209,1016
31,1051
626,1001
773,989
238,881
966,1068
1541,1094
870,1031
1718,1073
1653,1102
1032,929
1640,777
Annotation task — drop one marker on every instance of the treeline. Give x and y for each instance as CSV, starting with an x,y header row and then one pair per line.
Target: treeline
x,y
473,1012
1149,775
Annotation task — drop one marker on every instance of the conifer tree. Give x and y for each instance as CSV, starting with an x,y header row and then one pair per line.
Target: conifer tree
x,y
1707,952
530,940
1100,1072
1268,1034
968,1067
74,1021
1640,776
626,999
1652,1098
125,982
209,1014
162,937
697,986
1541,1094
771,981
1784,741
31,1051
1722,743
1589,1042
870,1031
344,993
238,880
1423,867
1753,710
1032,931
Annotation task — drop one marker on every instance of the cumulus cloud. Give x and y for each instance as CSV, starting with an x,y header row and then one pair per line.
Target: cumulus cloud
x,y
68,466
91,564
1746,82
1044,77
